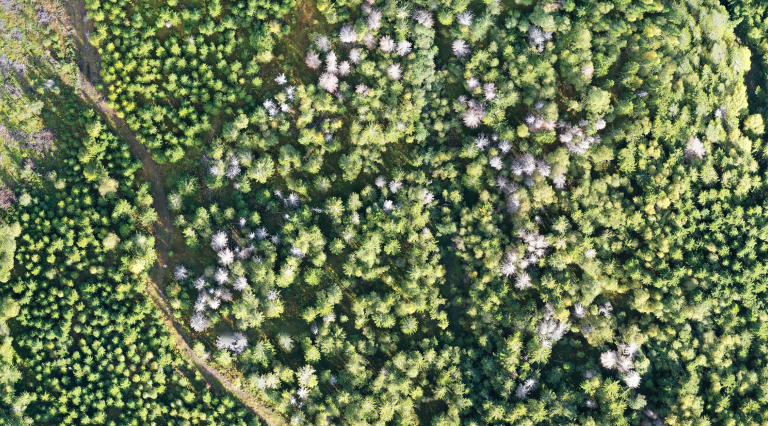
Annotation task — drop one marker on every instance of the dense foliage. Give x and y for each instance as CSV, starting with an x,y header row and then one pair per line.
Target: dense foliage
x,y
447,212
172,68
751,31
84,251
81,344
574,199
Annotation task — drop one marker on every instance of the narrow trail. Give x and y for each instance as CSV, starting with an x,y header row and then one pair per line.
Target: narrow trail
x,y
89,61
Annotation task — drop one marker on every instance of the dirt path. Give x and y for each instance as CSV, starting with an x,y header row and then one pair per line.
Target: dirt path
x,y
89,64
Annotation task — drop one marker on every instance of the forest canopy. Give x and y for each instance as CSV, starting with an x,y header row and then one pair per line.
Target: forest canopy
x,y
444,212
8,235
